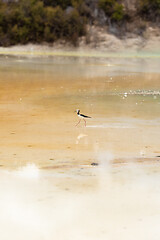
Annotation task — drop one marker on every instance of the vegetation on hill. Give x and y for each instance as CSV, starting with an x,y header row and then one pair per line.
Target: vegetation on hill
x,y
150,9
114,10
40,21
37,21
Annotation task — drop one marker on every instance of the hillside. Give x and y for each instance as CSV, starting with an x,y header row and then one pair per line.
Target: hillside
x,y
96,23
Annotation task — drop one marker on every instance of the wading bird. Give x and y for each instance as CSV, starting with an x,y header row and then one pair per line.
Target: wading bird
x,y
81,116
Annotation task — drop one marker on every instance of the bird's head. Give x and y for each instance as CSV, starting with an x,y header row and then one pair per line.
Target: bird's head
x,y
77,110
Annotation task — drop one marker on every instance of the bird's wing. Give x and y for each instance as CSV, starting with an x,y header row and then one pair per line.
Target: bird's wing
x,y
85,116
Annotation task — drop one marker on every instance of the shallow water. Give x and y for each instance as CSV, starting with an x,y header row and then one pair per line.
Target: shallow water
x,y
38,97
58,181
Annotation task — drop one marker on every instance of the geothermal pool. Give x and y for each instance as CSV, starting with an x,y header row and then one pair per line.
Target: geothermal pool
x,y
96,182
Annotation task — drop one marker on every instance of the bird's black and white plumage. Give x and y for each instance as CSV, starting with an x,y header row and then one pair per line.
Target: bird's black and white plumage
x,y
81,116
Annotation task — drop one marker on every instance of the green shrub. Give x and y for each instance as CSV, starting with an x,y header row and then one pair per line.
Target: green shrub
x,y
74,26
149,8
54,3
107,6
54,22
62,3
113,9
118,13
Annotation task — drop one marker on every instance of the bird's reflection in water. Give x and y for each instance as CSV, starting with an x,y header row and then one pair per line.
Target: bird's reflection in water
x,y
80,136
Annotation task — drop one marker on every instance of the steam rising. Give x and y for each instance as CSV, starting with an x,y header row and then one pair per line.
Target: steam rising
x,y
124,205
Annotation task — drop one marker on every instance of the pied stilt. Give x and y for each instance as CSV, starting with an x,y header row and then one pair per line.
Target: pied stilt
x,y
81,116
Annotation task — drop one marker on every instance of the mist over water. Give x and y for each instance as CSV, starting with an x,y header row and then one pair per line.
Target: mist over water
x,y
124,203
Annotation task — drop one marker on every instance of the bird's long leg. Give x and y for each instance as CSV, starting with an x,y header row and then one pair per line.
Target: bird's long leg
x,y
84,121
78,123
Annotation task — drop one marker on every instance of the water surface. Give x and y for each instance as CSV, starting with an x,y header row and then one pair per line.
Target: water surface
x,y
38,97
58,181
